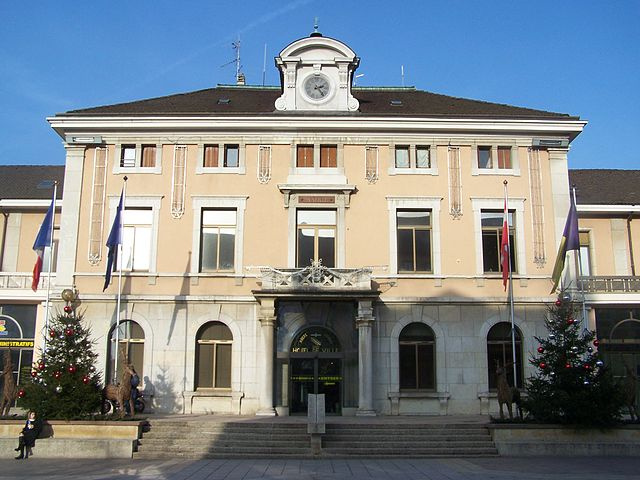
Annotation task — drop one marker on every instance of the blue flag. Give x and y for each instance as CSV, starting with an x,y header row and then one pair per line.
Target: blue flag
x,y
43,240
570,241
115,239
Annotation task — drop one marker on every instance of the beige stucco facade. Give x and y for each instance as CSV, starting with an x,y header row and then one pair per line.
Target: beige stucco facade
x,y
173,300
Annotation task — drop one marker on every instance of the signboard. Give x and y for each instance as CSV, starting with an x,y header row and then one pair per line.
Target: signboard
x,y
316,199
16,343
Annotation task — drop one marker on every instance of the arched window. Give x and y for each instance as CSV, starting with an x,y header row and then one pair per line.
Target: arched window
x,y
130,348
417,357
213,356
500,350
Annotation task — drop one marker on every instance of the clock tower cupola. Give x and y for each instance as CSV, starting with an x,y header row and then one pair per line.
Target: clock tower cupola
x,y
316,74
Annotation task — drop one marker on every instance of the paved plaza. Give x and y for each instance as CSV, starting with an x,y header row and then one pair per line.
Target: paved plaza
x,y
531,468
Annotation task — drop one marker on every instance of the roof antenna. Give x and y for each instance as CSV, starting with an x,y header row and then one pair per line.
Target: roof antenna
x,y
264,65
315,32
402,74
240,79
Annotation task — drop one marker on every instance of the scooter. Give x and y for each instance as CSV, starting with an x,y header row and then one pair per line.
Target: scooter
x,y
111,406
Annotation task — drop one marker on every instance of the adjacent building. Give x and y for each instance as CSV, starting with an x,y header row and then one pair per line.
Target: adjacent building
x,y
317,237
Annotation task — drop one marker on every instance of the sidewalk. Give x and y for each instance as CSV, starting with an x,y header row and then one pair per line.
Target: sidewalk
x,y
530,468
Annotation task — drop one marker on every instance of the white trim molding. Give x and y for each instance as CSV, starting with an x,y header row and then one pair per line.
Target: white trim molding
x,y
395,203
200,202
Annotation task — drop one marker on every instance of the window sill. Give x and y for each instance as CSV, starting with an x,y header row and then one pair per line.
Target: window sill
x,y
514,172
412,171
224,170
134,170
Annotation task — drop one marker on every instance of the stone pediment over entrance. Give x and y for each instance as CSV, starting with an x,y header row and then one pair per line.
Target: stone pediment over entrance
x,y
316,278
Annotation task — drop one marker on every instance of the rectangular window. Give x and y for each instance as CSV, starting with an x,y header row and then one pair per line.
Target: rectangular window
x,y
492,238
328,156
585,254
402,156
504,157
136,239
218,239
231,156
414,240
416,366
304,156
128,156
423,157
148,156
316,237
484,157
210,158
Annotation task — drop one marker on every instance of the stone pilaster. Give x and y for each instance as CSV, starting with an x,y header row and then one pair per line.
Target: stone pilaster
x,y
267,318
364,322
70,216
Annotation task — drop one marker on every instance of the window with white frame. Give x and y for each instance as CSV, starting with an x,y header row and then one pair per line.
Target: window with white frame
x,y
304,156
414,235
218,236
231,156
414,241
495,158
136,239
128,156
138,158
210,156
585,253
220,158
316,237
413,159
492,221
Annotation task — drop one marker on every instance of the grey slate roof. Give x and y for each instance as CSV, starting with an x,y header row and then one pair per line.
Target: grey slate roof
x,y
606,186
20,182
374,101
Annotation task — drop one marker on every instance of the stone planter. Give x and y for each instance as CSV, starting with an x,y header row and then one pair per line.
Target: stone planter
x,y
556,440
76,439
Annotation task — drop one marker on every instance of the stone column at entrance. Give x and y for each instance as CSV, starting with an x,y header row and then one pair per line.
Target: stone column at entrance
x,y
364,322
267,318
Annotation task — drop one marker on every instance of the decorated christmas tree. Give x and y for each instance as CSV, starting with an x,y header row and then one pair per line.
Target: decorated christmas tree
x,y
572,384
64,383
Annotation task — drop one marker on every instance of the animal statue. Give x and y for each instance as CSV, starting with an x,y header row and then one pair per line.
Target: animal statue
x,y
120,392
629,389
507,394
9,390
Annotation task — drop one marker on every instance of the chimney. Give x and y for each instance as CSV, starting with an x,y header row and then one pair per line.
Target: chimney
x,y
240,79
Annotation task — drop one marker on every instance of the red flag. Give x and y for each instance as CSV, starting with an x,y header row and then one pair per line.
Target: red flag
x,y
504,247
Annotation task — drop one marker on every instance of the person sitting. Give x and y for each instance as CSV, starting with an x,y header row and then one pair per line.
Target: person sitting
x,y
27,438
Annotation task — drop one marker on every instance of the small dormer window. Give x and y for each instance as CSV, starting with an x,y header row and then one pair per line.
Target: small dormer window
x,y
396,103
224,101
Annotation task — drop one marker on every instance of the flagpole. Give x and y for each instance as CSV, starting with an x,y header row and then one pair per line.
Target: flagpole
x,y
578,261
511,312
46,307
117,346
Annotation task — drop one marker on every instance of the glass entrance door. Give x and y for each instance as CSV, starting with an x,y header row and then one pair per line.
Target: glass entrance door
x,y
315,375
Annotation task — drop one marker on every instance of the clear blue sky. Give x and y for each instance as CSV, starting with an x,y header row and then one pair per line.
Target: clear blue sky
x,y
573,56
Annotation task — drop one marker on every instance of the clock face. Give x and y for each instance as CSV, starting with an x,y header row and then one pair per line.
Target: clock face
x,y
317,87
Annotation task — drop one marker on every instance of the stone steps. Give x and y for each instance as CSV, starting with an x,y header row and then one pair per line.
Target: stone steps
x,y
193,440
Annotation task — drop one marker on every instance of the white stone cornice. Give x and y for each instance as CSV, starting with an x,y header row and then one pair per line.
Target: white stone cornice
x,y
315,123
27,203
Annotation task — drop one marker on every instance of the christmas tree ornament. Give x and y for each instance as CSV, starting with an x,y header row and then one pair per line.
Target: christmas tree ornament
x,y
567,365
570,321
586,382
587,366
68,331
589,349
34,374
72,369
40,361
596,342
85,380
21,393
566,297
574,349
552,374
543,365
92,369
52,333
540,350
599,363
552,336
59,389
558,303
57,375
41,366
68,309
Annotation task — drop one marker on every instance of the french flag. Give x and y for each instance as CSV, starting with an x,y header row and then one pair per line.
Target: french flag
x,y
505,247
43,240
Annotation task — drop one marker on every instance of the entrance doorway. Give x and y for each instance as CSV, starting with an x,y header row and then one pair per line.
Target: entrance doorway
x,y
316,367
